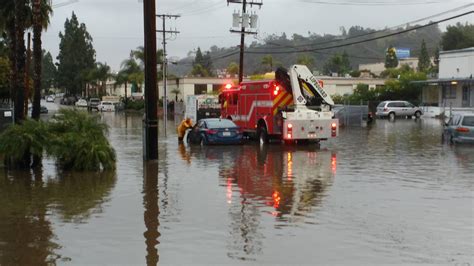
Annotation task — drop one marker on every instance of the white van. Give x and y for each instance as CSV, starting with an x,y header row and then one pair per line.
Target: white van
x,y
106,106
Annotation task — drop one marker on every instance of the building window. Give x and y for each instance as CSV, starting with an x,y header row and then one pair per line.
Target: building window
x,y
216,87
449,91
200,89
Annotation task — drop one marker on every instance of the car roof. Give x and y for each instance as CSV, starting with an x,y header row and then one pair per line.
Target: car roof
x,y
213,119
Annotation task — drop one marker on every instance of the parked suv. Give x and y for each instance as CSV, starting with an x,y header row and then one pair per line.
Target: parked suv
x,y
94,103
391,109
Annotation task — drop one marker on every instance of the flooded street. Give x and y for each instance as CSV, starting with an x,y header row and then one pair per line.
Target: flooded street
x,y
392,193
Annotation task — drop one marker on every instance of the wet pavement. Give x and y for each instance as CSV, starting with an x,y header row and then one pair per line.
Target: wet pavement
x,y
392,193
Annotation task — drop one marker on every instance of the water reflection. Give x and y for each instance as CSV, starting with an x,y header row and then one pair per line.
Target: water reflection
x,y
150,202
28,199
285,183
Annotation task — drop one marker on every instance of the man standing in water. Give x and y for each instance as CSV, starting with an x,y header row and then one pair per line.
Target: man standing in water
x,y
185,124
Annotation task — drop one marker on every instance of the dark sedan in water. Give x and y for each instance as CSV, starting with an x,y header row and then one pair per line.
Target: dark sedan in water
x,y
215,131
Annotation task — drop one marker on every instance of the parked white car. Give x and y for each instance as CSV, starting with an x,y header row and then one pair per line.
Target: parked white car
x,y
50,98
106,106
81,103
391,109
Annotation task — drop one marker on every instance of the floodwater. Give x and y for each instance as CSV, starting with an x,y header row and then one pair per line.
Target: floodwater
x,y
392,193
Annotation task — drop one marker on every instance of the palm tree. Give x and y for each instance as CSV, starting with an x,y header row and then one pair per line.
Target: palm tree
x,y
102,74
20,57
7,24
41,13
122,78
305,60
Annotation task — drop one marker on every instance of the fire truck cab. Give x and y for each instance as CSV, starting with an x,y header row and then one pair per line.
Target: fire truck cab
x,y
292,107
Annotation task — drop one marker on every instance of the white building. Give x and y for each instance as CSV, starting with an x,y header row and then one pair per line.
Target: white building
x,y
454,86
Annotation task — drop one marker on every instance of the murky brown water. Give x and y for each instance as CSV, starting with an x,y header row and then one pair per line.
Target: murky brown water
x,y
388,194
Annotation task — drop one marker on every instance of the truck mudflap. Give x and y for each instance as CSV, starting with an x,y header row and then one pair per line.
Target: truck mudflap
x,y
310,129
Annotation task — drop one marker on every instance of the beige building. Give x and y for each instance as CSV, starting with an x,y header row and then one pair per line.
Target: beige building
x,y
378,68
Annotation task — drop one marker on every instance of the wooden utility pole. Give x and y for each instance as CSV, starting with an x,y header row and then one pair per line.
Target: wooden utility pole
x,y
150,123
165,65
243,31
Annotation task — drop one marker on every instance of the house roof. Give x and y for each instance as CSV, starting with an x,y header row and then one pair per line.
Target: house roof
x,y
435,82
470,49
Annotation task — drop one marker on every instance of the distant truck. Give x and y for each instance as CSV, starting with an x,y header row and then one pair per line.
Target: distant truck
x,y
202,106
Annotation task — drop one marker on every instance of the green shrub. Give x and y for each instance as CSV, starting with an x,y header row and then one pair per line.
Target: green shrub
x,y
75,138
80,142
135,105
19,141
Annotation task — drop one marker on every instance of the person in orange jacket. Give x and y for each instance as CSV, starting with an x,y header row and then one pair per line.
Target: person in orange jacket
x,y
185,124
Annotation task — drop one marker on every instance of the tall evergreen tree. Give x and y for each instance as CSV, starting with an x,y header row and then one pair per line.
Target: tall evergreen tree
x,y
48,71
76,56
424,61
391,60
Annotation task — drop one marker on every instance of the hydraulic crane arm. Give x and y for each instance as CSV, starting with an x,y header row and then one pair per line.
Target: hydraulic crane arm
x,y
300,74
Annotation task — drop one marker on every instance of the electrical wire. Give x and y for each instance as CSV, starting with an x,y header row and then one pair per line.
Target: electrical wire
x,y
366,40
379,31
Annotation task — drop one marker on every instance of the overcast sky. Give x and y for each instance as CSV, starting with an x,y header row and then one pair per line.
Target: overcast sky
x,y
117,25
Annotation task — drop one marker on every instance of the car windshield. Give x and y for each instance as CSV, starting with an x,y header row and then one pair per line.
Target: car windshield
x,y
224,123
468,121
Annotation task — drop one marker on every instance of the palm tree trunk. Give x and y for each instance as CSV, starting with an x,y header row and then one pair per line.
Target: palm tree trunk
x,y
12,57
37,54
20,14
126,98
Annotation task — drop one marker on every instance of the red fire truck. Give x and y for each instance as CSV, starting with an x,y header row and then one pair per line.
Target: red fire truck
x,y
292,107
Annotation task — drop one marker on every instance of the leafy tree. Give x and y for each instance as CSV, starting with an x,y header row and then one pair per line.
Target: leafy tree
x,y
424,61
199,71
4,78
306,60
458,37
233,68
267,60
338,63
391,60
202,64
76,55
207,63
199,58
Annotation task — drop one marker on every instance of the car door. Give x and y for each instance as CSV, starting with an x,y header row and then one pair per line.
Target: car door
x,y
394,107
195,133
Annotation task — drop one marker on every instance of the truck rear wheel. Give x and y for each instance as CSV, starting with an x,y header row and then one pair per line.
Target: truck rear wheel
x,y
262,135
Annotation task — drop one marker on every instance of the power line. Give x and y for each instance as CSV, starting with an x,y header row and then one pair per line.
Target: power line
x,y
377,31
366,40
373,3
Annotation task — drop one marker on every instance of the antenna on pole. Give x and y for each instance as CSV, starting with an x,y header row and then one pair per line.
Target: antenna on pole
x,y
245,21
164,65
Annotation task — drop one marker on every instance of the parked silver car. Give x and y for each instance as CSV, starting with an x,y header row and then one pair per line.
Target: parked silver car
x,y
391,109
459,128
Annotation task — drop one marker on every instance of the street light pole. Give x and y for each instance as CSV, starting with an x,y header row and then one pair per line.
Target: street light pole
x,y
150,123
